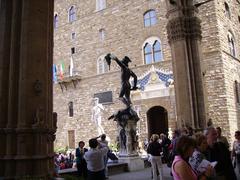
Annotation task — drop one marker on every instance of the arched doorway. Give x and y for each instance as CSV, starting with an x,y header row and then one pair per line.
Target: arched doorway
x,y
157,118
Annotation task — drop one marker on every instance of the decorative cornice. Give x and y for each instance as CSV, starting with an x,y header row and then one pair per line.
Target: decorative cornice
x,y
184,27
162,74
153,69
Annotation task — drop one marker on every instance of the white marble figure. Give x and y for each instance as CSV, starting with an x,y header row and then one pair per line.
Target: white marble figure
x,y
97,115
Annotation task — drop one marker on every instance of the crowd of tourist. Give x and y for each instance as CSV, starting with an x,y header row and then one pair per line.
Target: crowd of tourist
x,y
63,160
195,156
191,155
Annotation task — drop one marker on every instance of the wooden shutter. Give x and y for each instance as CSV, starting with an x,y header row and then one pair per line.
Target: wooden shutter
x,y
71,139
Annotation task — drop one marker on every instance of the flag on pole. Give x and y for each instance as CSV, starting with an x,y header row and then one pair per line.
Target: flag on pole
x,y
54,73
71,67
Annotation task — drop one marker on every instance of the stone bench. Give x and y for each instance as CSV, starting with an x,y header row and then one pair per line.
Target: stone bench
x,y
113,168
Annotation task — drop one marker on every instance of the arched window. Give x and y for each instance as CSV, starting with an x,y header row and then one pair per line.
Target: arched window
x,y
150,18
100,5
102,34
236,86
152,50
157,52
70,109
55,21
148,53
72,14
227,11
73,35
231,44
102,66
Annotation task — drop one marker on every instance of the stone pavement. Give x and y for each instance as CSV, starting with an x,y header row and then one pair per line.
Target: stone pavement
x,y
144,174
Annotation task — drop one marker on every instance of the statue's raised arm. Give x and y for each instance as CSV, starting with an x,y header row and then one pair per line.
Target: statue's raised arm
x,y
126,73
126,118
110,57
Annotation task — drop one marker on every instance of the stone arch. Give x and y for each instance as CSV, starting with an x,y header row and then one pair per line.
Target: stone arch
x,y
227,10
148,19
102,33
68,13
102,66
55,20
157,120
151,40
231,42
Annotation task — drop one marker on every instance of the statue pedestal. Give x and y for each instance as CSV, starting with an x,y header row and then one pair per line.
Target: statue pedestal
x,y
134,163
128,146
128,139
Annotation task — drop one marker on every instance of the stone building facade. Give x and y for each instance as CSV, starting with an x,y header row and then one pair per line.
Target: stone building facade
x,y
87,30
220,66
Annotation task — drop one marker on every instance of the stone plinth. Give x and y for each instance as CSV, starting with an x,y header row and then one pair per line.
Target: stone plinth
x,y
128,139
134,163
128,146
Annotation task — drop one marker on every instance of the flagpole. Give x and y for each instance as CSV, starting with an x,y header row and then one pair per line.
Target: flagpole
x,y
71,66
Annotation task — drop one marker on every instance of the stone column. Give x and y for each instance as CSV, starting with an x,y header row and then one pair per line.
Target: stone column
x,y
184,34
27,127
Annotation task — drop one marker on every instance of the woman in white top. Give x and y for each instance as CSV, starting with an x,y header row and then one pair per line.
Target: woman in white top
x,y
155,149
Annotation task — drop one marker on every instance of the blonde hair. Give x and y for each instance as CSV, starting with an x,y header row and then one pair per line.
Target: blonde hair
x,y
162,135
155,137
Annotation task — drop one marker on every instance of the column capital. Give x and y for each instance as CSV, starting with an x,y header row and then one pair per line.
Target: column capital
x,y
180,28
183,22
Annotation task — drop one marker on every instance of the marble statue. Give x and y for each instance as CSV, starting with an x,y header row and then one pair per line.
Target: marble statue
x,y
97,115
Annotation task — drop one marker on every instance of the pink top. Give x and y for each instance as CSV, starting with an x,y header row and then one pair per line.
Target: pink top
x,y
175,175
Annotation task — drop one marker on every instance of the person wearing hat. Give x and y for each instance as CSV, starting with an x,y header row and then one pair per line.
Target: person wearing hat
x,y
126,73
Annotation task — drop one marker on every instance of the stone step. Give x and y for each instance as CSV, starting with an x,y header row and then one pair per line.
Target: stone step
x,y
113,168
116,168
